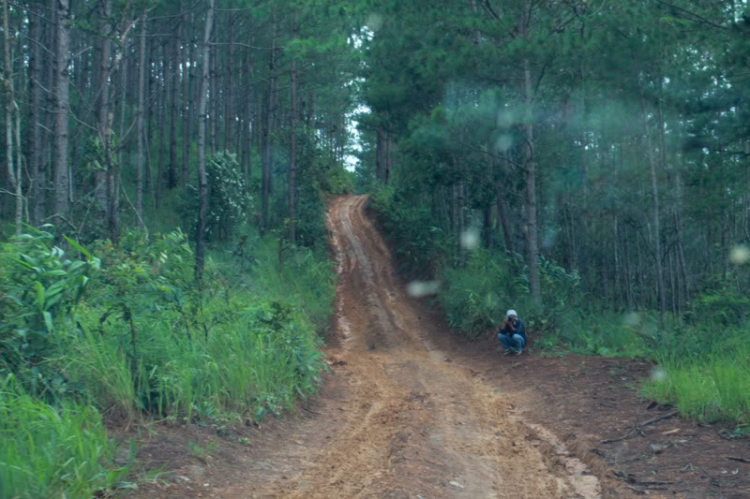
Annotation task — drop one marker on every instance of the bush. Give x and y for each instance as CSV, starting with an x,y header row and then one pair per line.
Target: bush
x,y
227,198
40,287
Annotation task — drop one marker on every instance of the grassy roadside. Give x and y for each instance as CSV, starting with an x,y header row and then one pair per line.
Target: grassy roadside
x,y
703,356
101,334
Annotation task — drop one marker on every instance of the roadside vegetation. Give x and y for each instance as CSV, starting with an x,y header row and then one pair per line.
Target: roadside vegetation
x,y
94,335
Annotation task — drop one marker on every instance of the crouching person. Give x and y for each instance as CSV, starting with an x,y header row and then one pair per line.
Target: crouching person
x,y
512,334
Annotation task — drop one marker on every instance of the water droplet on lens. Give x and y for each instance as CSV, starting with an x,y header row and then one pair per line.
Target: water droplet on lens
x,y
470,238
418,289
659,374
739,255
632,319
374,21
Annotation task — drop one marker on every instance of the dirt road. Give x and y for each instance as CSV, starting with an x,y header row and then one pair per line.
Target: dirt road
x,y
400,418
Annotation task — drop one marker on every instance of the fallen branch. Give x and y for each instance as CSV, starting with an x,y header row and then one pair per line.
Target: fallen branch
x,y
638,428
738,459
310,411
630,478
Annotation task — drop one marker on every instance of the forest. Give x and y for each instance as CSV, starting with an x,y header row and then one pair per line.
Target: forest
x,y
169,165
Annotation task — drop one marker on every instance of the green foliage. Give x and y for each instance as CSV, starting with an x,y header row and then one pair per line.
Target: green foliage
x,y
145,339
722,307
337,181
711,388
227,199
51,451
40,286
420,244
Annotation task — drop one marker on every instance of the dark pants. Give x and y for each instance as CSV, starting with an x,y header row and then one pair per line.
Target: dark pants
x,y
511,343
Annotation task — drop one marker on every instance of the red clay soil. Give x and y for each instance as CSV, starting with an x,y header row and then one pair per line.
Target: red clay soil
x,y
409,410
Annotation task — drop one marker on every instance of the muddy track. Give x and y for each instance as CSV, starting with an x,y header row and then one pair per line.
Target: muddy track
x,y
399,417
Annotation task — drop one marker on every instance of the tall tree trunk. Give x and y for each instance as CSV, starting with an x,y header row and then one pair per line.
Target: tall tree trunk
x,y
461,220
161,105
656,216
62,81
265,158
293,152
187,117
268,130
214,93
36,158
200,233
173,166
11,111
104,13
228,81
380,156
532,248
141,125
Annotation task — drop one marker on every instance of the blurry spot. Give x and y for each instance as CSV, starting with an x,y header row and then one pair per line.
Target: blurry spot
x,y
492,301
739,255
418,289
659,374
504,142
374,21
549,239
505,119
632,319
470,238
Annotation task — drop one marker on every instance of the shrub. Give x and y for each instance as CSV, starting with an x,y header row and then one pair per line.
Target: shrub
x,y
227,199
41,286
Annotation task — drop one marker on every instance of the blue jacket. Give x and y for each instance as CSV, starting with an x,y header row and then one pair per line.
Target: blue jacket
x,y
518,328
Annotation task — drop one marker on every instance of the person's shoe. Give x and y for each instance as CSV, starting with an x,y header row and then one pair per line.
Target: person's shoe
x,y
519,352
509,352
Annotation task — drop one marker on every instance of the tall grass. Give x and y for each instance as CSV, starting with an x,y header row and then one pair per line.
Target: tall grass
x,y
709,388
52,452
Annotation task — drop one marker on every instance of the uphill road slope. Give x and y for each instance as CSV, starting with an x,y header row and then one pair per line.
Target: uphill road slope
x,y
397,417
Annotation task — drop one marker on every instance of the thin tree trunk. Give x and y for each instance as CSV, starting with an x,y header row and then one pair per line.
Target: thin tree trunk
x,y
461,221
173,166
162,110
62,81
141,125
268,130
213,103
200,234
12,111
532,249
380,156
36,159
102,102
655,207
228,97
187,92
265,160
293,152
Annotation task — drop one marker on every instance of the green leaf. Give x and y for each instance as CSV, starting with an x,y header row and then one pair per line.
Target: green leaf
x,y
39,295
78,247
48,321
